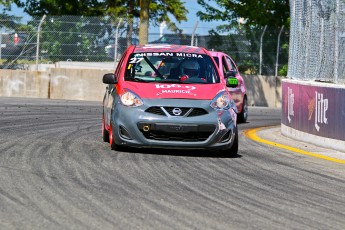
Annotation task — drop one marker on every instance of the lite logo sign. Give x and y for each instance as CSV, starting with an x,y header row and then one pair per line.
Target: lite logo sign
x,y
321,107
291,101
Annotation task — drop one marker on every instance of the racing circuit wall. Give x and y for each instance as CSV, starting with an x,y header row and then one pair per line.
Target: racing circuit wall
x,y
314,112
313,98
86,84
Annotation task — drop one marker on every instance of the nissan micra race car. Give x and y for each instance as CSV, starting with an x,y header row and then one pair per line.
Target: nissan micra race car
x,y
239,94
169,96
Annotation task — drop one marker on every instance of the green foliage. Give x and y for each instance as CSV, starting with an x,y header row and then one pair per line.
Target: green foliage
x,y
259,13
243,39
6,3
283,71
61,7
78,41
248,67
9,22
242,43
160,10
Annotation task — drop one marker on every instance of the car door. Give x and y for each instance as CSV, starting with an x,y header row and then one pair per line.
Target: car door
x,y
236,93
111,91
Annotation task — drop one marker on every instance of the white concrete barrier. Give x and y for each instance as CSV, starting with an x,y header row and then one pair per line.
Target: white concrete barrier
x,y
86,84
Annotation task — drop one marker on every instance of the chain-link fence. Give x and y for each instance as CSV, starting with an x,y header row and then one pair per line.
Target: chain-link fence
x,y
317,42
93,39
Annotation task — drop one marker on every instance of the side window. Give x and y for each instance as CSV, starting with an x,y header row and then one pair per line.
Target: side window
x,y
225,66
119,66
231,64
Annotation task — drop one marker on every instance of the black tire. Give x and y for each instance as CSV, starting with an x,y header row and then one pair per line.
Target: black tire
x,y
231,152
113,145
243,115
105,133
116,147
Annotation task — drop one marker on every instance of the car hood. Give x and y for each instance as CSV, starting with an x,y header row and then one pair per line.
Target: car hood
x,y
173,91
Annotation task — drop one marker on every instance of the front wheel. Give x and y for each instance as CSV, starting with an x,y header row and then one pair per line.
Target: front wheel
x,y
113,145
105,133
243,115
232,152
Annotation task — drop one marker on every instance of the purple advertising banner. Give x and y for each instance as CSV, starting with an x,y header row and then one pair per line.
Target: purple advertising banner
x,y
314,109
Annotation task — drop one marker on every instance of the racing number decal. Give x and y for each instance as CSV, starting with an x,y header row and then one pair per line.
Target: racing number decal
x,y
135,60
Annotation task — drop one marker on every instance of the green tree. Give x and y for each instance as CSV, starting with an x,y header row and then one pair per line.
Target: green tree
x,y
244,22
7,20
257,13
73,37
6,3
61,7
17,37
158,11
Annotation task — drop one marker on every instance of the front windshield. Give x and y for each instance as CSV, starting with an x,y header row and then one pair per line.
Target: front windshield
x,y
171,67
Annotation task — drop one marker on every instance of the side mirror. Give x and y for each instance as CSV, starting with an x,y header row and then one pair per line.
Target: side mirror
x,y
231,82
109,78
231,73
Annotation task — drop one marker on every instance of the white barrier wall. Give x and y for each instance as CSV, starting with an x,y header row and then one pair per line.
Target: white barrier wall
x,y
86,84
77,84
21,83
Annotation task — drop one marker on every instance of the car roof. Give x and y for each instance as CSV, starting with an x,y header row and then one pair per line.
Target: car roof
x,y
217,53
169,48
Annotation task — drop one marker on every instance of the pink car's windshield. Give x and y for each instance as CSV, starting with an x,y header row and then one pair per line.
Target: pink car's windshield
x,y
171,67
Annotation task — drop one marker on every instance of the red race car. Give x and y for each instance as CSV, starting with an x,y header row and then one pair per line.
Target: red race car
x,y
169,96
228,68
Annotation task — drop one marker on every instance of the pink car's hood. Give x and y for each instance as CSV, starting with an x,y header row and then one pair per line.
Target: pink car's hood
x,y
180,91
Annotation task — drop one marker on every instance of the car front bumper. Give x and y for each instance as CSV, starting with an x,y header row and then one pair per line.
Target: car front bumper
x,y
154,125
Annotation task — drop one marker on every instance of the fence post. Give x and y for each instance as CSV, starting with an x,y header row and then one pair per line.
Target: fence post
x,y
161,27
192,41
278,48
262,36
38,40
0,44
116,40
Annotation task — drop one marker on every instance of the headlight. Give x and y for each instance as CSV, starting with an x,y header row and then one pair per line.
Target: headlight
x,y
222,101
129,98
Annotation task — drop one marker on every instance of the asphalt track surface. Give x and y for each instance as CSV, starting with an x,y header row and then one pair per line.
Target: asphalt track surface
x,y
56,173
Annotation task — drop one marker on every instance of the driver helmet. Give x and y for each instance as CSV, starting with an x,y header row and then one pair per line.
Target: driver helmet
x,y
190,68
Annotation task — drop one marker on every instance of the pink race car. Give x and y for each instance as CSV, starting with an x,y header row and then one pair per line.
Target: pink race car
x,y
228,68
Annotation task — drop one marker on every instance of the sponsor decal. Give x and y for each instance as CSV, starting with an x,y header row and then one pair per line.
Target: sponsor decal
x,y
317,110
155,54
318,106
321,107
175,88
188,55
166,54
290,102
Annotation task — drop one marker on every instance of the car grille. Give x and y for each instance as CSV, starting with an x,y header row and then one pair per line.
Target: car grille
x,y
176,132
187,112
